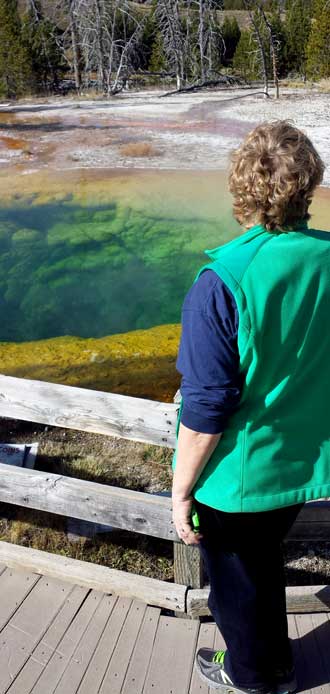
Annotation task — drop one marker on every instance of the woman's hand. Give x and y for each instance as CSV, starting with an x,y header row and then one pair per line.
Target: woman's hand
x,y
193,452
182,520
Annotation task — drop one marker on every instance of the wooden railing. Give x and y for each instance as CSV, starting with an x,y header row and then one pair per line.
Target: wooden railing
x,y
140,420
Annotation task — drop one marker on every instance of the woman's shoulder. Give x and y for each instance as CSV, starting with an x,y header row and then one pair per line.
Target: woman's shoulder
x,y
199,293
210,295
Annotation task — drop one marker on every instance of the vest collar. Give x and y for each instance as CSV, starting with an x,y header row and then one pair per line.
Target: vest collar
x,y
243,237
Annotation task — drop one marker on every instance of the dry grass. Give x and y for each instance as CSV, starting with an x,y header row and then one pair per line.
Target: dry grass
x,y
117,549
139,149
324,85
293,84
103,459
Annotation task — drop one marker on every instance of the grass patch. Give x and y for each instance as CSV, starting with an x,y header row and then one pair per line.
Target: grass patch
x,y
117,549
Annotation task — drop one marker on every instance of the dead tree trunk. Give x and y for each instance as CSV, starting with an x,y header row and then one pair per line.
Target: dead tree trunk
x,y
273,50
261,47
76,52
170,25
201,39
100,44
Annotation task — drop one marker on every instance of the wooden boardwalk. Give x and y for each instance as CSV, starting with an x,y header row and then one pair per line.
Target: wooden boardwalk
x,y
56,637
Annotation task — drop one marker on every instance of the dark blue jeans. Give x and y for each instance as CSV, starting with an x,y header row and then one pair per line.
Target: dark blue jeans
x,y
243,557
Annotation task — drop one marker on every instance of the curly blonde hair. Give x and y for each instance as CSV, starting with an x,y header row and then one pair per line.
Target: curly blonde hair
x,y
273,176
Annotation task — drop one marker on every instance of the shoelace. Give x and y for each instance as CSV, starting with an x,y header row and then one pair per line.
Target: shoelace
x,y
218,657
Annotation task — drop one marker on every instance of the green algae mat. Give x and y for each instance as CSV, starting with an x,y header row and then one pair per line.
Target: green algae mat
x,y
104,259
97,267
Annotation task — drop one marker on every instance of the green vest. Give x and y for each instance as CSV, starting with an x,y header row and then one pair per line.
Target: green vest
x,y
275,450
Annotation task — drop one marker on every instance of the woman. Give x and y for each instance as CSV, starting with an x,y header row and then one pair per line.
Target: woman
x,y
253,435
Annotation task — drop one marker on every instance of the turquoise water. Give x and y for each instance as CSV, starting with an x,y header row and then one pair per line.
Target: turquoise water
x,y
97,269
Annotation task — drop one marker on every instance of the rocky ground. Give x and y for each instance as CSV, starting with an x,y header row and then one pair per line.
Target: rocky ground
x,y
150,130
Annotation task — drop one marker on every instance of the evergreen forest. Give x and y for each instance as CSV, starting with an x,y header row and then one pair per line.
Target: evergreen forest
x,y
58,46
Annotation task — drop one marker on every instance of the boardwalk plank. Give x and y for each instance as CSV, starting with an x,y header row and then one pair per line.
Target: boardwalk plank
x,y
297,654
141,655
14,587
59,660
206,639
28,626
98,666
172,657
56,640
51,594
27,677
80,659
315,675
61,624
120,659
33,668
321,625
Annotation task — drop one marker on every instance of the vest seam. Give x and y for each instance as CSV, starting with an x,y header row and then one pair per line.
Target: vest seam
x,y
248,332
252,259
203,309
290,491
237,286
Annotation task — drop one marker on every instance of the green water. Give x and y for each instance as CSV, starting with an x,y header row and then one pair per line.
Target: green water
x,y
98,269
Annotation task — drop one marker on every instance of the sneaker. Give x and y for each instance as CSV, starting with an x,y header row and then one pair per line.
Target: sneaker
x,y
210,667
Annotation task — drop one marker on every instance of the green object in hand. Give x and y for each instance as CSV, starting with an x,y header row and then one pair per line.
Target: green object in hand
x,y
195,519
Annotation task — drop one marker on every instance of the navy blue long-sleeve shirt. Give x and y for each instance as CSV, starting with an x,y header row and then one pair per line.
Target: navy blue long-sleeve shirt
x,y
208,357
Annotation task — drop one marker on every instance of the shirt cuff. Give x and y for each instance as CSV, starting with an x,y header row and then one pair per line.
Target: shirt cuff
x,y
201,424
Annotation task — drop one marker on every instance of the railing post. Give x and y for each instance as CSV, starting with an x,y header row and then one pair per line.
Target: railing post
x,y
188,569
188,566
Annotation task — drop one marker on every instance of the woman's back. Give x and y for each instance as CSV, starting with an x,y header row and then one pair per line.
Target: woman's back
x,y
275,450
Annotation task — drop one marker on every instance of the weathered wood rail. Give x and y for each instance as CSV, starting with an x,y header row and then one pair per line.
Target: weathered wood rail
x,y
137,419
140,420
91,501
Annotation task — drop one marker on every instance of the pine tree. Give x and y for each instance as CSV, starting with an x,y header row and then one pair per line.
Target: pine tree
x,y
15,65
158,62
297,31
41,39
147,42
245,60
318,47
233,5
231,34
